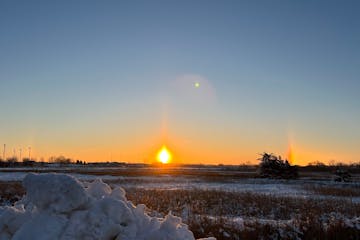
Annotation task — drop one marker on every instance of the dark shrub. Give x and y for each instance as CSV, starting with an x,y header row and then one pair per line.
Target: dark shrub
x,y
274,167
342,176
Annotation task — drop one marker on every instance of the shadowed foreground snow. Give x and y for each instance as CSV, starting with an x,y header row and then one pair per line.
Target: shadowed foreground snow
x,y
58,206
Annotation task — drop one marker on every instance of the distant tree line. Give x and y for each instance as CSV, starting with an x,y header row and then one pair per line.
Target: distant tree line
x,y
13,162
26,162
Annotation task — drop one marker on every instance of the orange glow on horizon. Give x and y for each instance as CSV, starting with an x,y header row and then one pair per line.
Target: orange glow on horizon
x,y
164,155
193,149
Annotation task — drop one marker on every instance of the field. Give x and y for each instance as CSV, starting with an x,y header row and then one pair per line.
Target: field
x,y
227,204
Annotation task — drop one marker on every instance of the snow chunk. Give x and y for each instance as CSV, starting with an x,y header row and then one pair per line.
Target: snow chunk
x,y
58,206
171,228
11,219
107,218
41,227
56,193
98,189
118,193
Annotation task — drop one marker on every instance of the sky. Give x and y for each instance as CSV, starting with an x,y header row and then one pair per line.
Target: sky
x,y
216,82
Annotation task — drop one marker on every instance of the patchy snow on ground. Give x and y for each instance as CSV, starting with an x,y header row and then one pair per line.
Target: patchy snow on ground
x,y
290,188
58,206
19,176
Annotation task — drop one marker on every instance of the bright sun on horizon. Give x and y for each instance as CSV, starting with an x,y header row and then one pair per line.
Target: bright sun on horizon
x,y
164,155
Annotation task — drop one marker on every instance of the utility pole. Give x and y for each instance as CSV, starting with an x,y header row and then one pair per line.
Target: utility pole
x,y
29,153
20,154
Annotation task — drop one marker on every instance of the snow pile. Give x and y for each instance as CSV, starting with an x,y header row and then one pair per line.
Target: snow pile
x,y
58,206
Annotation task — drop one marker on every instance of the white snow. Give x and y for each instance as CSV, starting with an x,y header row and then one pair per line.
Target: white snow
x,y
56,193
58,206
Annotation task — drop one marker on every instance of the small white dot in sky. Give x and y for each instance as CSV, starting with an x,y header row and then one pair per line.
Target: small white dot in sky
x,y
197,84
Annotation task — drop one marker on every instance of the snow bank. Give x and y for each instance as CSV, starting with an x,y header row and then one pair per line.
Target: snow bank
x,y
58,206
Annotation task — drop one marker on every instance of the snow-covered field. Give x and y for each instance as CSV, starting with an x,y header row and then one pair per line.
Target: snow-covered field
x,y
225,208
292,188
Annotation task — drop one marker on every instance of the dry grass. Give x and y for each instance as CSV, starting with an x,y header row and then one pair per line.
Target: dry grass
x,y
221,203
343,191
223,229
11,192
210,212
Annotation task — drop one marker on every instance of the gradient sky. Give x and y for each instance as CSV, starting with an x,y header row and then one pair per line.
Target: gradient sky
x,y
114,80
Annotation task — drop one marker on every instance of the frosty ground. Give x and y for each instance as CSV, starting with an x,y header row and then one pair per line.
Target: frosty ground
x,y
226,206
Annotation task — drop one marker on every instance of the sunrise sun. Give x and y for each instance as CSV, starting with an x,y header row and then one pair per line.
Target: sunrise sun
x,y
164,155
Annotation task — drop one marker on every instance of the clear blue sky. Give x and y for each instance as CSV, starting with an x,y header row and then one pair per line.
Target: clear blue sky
x,y
89,79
